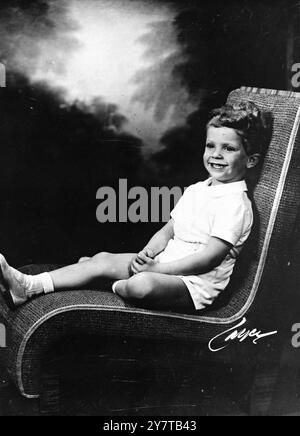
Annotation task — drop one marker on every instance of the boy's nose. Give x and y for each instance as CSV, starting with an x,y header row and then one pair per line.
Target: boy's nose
x,y
217,154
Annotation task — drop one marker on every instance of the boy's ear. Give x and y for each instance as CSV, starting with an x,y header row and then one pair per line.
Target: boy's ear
x,y
253,160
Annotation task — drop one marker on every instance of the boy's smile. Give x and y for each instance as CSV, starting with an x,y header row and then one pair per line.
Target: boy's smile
x,y
225,157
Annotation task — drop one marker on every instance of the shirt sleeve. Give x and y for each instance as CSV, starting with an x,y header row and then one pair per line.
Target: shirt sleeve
x,y
181,206
232,222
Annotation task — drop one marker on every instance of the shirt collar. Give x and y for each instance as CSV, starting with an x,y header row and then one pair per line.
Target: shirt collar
x,y
225,188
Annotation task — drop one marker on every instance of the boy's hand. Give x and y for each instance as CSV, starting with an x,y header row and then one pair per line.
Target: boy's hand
x,y
149,266
144,261
145,256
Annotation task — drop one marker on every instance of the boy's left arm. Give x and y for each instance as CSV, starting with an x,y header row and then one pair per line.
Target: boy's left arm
x,y
195,264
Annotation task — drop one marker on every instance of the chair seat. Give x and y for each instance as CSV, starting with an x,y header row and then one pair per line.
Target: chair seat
x,y
35,327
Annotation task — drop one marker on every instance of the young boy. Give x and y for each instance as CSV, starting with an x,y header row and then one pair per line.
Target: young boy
x,y
186,265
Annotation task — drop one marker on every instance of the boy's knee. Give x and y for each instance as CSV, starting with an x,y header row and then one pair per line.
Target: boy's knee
x,y
100,257
83,259
140,286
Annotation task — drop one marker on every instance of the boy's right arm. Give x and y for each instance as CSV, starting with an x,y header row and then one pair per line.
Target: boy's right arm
x,y
159,241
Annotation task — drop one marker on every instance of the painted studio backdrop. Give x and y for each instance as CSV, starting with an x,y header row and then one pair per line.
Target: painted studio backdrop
x,y
102,90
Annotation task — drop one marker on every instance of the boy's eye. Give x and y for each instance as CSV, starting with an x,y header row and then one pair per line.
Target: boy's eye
x,y
229,148
209,145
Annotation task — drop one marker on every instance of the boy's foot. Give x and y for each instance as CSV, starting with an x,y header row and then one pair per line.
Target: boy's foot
x,y
12,285
117,283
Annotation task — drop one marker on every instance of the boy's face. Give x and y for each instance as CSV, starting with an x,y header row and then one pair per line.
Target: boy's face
x,y
225,157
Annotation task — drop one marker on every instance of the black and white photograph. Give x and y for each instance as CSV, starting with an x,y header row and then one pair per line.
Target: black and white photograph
x,y
149,210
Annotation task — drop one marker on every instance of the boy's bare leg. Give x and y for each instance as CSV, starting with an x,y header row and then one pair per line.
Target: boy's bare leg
x,y
17,287
84,259
102,265
146,289
157,291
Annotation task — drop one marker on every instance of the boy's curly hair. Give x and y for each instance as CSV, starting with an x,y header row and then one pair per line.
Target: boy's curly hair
x,y
250,123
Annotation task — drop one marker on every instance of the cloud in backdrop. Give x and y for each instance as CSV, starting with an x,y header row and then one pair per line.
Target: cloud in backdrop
x,y
122,52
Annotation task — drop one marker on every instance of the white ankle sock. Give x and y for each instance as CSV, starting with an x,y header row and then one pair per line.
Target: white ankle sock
x,y
115,284
35,285
47,282
114,287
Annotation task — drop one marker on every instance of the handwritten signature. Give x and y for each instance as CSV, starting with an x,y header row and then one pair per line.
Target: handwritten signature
x,y
240,335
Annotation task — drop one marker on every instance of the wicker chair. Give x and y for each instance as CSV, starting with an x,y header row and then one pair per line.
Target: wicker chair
x,y
256,291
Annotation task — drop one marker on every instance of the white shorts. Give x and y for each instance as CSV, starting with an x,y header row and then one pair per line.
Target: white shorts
x,y
204,288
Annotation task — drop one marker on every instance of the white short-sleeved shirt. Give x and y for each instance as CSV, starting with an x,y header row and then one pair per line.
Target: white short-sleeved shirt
x,y
222,211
